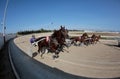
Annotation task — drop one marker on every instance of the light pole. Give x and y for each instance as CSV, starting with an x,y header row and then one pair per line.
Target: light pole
x,y
4,18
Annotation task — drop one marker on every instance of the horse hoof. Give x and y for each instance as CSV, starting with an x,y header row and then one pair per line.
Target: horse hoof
x,y
54,57
57,56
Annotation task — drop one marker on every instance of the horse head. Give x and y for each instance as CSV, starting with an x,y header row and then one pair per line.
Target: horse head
x,y
93,36
99,36
64,32
85,35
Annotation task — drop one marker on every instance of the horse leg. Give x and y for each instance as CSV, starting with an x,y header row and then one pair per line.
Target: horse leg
x,y
72,42
79,43
42,55
43,50
38,49
75,43
56,54
87,42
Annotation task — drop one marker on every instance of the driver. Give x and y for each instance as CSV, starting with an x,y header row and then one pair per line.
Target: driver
x,y
32,40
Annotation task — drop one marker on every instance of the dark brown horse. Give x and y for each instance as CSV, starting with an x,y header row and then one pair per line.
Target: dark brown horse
x,y
55,42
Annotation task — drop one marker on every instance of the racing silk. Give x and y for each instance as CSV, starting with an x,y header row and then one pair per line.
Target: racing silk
x,y
47,38
79,37
32,40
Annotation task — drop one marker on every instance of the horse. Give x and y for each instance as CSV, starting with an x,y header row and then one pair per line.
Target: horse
x,y
97,38
55,43
81,39
94,39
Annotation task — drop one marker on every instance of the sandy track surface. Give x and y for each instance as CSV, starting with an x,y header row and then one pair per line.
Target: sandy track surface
x,y
101,60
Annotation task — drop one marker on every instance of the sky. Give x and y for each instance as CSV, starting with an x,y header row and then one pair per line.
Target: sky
x,y
50,14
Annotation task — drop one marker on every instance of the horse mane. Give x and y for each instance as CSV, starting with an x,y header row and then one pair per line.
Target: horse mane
x,y
55,34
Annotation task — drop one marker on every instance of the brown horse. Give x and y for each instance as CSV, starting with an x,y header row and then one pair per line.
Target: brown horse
x,y
55,43
97,38
81,39
94,39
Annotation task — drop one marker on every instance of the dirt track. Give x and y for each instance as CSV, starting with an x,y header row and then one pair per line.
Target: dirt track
x,y
99,61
